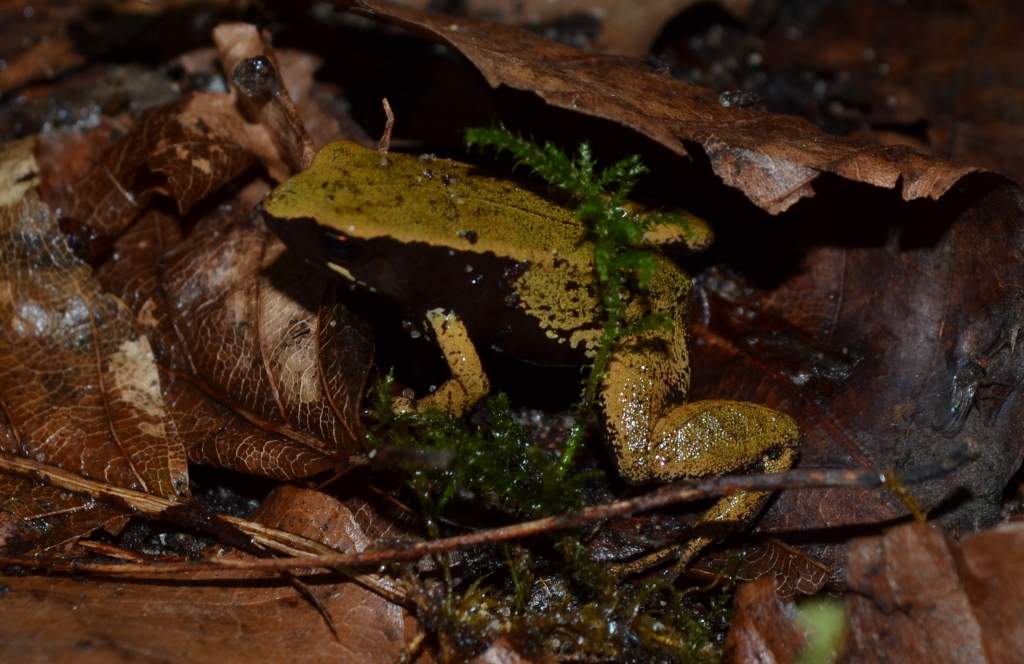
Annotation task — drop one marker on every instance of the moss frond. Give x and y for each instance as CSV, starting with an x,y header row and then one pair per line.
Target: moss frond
x,y
493,459
622,262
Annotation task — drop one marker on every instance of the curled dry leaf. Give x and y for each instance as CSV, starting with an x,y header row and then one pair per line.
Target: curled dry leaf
x,y
258,79
264,369
772,159
186,149
79,387
61,619
192,147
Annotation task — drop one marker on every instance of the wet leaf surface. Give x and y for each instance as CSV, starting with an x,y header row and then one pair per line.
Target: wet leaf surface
x,y
764,628
887,356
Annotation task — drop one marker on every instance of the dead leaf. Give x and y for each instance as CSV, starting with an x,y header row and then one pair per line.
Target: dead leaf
x,y
36,517
79,388
886,334
263,619
212,432
764,627
919,597
264,368
191,148
772,159
185,149
35,44
256,77
270,335
793,572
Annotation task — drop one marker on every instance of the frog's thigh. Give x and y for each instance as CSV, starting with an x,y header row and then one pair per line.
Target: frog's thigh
x,y
468,383
715,437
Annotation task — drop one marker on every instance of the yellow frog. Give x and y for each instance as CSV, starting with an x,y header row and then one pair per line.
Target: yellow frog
x,y
517,273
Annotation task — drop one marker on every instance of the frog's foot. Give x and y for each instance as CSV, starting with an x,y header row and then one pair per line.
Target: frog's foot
x,y
468,383
710,438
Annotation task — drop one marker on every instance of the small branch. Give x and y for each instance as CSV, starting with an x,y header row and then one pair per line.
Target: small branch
x,y
217,524
385,139
668,495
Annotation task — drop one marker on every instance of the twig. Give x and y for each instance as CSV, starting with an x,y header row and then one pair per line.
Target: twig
x,y
385,139
217,524
668,495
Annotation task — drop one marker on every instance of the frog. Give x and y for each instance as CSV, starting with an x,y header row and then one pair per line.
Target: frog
x,y
499,263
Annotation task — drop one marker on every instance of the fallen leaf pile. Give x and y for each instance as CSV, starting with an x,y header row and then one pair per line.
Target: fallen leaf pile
x,y
161,346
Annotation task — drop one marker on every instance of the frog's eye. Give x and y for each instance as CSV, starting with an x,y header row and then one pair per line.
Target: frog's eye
x,y
338,247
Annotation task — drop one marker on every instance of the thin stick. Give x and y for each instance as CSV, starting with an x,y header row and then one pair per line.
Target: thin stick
x,y
668,495
389,126
158,506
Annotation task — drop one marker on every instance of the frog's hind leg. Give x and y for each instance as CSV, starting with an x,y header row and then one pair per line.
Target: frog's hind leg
x,y
702,438
469,382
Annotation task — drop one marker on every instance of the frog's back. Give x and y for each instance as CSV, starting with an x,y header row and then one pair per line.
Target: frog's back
x,y
440,202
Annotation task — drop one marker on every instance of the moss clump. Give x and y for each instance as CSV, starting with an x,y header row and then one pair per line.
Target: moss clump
x,y
575,610
491,459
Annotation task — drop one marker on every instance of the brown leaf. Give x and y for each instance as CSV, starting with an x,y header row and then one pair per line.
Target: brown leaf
x,y
793,572
35,44
909,603
257,77
268,334
887,335
265,369
772,159
192,147
35,517
763,628
265,620
78,386
610,26
186,149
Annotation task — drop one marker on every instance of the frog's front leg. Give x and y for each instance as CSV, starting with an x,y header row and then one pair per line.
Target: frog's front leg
x,y
469,382
656,441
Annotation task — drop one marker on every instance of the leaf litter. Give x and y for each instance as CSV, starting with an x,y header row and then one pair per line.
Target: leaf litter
x,y
151,255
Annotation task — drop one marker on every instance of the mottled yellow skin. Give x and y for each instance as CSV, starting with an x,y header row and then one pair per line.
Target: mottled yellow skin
x,y
653,433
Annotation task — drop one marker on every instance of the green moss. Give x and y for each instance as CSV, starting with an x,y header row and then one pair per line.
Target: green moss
x,y
493,460
575,611
622,260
